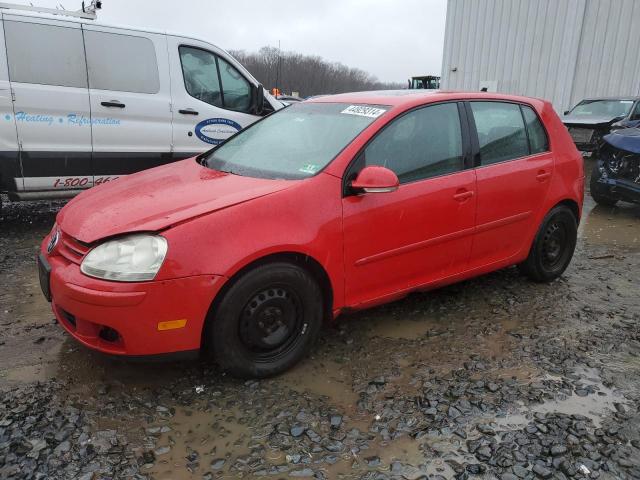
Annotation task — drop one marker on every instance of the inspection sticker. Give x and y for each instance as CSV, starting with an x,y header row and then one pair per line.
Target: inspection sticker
x,y
363,111
309,168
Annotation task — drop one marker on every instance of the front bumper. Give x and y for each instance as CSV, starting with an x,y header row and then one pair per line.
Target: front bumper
x,y
123,318
623,188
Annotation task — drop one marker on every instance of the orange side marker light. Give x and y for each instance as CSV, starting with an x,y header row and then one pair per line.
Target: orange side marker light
x,y
172,324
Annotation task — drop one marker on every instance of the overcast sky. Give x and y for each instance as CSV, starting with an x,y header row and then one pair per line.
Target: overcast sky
x,y
392,39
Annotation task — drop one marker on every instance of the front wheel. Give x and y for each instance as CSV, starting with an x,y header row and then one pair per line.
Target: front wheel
x,y
266,321
553,246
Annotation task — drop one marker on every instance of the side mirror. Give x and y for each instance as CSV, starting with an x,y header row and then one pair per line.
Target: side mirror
x,y
257,99
374,179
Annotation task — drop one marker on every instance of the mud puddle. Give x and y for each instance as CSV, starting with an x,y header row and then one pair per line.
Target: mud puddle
x,y
590,398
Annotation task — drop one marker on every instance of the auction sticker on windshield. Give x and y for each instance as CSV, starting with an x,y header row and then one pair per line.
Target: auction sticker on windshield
x,y
363,111
309,168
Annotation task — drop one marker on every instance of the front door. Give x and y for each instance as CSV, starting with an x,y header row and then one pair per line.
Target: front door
x,y
422,232
513,175
48,76
211,97
130,100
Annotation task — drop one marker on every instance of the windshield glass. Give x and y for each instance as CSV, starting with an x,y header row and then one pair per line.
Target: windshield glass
x,y
603,108
296,142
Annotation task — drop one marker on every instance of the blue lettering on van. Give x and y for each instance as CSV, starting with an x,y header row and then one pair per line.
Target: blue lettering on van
x,y
34,118
216,130
74,119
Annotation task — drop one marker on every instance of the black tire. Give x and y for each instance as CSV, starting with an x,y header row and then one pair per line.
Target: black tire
x,y
266,321
599,192
553,246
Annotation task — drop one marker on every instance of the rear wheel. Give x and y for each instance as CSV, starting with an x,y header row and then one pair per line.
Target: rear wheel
x,y
600,193
553,246
267,320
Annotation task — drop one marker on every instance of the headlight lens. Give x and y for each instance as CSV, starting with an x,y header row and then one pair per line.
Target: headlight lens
x,y
132,258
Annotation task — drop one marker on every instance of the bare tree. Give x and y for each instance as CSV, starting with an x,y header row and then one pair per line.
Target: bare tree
x,y
307,74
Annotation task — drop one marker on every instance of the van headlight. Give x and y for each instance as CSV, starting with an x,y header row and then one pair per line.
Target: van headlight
x,y
131,258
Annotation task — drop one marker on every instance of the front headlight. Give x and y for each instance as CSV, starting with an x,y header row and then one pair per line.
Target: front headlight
x,y
132,258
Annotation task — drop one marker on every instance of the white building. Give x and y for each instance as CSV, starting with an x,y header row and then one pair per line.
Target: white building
x,y
559,50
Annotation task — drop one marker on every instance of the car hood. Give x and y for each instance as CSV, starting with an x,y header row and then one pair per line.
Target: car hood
x,y
590,121
158,198
627,139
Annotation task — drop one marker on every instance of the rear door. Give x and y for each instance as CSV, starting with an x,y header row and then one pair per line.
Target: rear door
x,y
48,76
10,176
513,168
130,96
211,96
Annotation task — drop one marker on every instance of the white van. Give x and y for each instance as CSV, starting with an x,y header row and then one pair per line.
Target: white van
x,y
82,103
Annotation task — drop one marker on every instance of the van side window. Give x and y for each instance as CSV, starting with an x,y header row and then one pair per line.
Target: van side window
x,y
45,54
123,63
236,90
422,144
501,131
636,112
538,142
200,72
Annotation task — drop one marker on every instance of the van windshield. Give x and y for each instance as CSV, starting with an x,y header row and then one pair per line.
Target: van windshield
x,y
296,142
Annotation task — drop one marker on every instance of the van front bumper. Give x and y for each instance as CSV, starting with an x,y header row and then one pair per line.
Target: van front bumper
x,y
130,319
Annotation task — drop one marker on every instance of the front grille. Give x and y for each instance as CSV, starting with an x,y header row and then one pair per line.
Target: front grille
x,y
72,249
581,135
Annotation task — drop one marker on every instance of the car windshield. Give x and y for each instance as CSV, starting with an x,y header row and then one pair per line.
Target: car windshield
x,y
603,108
297,142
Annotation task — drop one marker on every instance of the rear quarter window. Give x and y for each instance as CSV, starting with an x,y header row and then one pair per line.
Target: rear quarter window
x,y
45,54
538,141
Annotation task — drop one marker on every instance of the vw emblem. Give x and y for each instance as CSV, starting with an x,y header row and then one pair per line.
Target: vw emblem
x,y
53,241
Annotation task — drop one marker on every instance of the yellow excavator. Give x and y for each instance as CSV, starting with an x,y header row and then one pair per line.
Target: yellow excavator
x,y
427,82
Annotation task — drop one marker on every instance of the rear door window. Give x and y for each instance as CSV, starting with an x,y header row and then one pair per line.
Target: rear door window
x,y
501,131
45,54
123,63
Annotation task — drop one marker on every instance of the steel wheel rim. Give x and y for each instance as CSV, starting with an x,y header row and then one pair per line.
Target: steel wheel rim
x,y
270,323
554,245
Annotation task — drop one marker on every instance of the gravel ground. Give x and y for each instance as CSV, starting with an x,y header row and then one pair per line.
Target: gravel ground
x,y
496,377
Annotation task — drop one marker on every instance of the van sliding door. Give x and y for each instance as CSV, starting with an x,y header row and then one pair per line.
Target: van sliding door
x,y
130,100
48,76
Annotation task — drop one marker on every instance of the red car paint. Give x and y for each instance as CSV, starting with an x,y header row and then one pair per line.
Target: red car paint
x,y
373,248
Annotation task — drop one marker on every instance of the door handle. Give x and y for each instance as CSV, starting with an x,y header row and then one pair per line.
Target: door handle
x,y
461,196
542,175
188,111
113,103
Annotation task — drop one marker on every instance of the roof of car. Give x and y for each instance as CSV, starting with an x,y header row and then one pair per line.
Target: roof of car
x,y
408,98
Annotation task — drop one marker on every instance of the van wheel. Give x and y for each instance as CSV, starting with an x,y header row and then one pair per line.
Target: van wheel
x,y
553,246
599,192
266,321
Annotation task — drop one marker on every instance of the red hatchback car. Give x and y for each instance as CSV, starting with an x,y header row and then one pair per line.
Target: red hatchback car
x,y
342,202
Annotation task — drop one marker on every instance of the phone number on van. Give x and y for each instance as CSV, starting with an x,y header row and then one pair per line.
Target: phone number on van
x,y
81,182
